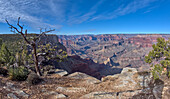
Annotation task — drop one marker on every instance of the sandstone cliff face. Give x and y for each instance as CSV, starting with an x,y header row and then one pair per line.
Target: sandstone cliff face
x,y
141,41
88,66
53,40
76,64
122,50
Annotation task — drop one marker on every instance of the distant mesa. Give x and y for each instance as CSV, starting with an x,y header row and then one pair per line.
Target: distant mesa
x,y
120,50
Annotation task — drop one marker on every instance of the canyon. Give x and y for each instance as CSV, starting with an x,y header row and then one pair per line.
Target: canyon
x,y
112,50
97,67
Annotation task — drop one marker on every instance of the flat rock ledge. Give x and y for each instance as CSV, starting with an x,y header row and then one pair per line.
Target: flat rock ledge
x,y
71,89
88,79
129,79
55,95
12,89
111,95
59,72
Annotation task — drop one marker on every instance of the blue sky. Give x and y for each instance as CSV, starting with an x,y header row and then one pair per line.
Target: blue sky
x,y
88,16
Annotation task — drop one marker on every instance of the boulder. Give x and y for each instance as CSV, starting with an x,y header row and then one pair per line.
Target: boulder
x,y
59,72
78,75
129,79
87,78
10,87
166,92
33,79
71,89
11,96
154,91
166,88
58,96
55,95
158,88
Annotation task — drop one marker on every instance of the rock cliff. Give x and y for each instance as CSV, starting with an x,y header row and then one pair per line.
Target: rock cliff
x,y
116,50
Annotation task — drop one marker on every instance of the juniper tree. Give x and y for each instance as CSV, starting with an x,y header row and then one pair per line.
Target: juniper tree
x,y
159,58
31,42
50,51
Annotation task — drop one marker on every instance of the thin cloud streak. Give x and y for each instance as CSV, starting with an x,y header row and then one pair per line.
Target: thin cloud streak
x,y
13,9
53,13
124,9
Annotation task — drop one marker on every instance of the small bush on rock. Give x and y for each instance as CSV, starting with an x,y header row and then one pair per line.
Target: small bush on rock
x,y
33,79
18,73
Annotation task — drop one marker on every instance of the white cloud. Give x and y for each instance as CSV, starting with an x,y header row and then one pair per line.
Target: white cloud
x,y
51,13
26,9
124,9
77,18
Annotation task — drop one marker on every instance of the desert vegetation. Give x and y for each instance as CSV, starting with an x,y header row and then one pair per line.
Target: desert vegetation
x,y
21,58
159,58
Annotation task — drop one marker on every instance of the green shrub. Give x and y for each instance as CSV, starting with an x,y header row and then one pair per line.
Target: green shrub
x,y
33,79
159,58
18,73
6,56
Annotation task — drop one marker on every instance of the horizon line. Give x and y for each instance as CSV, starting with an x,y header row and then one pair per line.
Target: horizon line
x,y
92,33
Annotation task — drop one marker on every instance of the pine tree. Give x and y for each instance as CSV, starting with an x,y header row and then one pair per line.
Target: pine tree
x,y
159,58
5,55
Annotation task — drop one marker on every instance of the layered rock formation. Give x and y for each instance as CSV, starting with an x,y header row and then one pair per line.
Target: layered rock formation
x,y
88,66
121,50
130,84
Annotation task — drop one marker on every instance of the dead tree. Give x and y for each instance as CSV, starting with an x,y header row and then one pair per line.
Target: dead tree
x,y
32,43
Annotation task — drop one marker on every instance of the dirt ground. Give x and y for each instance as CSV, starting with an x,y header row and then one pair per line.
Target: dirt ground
x,y
51,83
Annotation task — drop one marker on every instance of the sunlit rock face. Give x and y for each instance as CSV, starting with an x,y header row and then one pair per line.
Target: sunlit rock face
x,y
129,79
115,50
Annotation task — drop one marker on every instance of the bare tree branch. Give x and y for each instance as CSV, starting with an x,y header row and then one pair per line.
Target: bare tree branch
x,y
20,32
42,33
19,24
32,43
12,26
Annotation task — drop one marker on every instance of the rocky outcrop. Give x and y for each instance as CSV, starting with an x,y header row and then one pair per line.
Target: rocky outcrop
x,y
59,72
138,85
10,87
113,50
129,84
153,91
166,88
166,92
12,96
71,89
54,95
129,79
77,64
111,95
88,79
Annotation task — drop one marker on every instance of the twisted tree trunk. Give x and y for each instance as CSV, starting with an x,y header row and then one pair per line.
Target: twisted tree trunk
x,y
32,43
38,70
